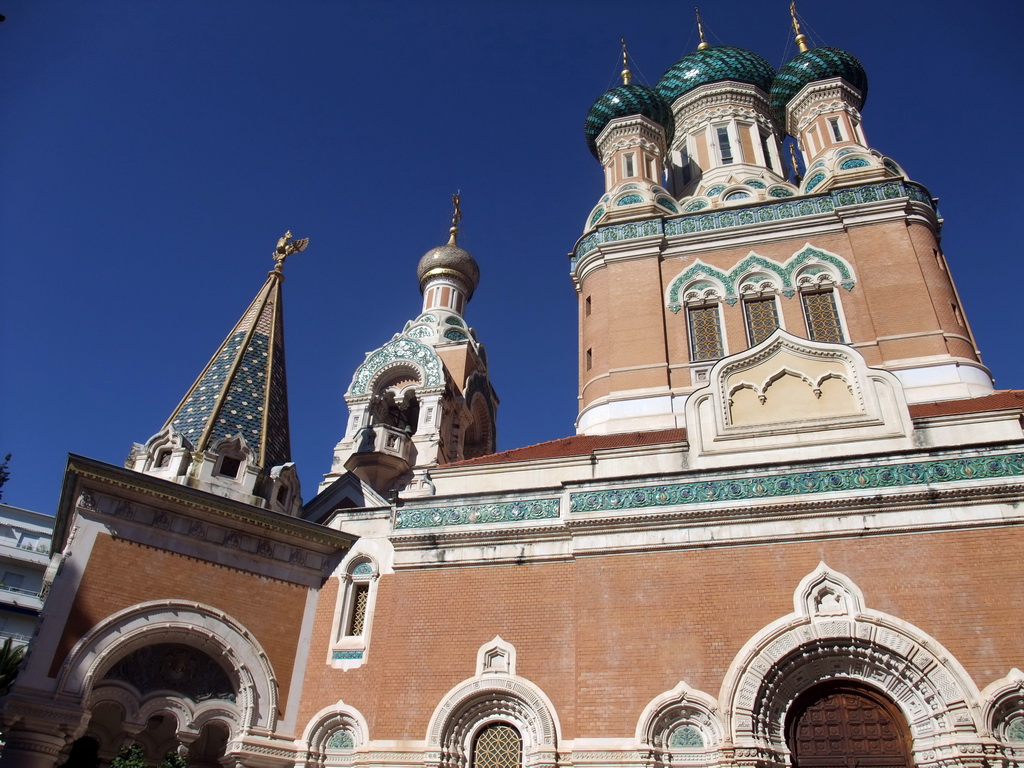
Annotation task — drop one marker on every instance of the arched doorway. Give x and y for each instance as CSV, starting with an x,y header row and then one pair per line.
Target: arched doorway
x,y
846,726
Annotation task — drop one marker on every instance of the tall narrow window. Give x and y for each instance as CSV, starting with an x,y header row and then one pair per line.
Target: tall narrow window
x,y
684,165
629,165
498,745
723,146
590,359
588,307
705,333
837,134
767,153
822,316
762,317
355,613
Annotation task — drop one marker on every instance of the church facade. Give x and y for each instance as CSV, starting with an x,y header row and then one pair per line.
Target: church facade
x,y
788,532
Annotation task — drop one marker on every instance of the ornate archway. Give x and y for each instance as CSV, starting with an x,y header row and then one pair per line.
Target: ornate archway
x,y
831,638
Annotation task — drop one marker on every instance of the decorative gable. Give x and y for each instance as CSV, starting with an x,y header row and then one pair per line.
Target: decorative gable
x,y
802,398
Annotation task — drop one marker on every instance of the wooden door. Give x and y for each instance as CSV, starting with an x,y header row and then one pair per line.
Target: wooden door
x,y
845,727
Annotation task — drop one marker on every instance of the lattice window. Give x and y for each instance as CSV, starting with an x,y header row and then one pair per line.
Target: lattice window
x,y
822,316
685,737
1015,729
361,598
498,746
762,319
705,333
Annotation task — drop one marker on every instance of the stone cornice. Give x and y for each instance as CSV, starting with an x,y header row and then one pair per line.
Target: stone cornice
x,y
199,502
707,225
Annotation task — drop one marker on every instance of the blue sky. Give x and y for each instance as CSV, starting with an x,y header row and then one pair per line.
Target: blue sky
x,y
151,153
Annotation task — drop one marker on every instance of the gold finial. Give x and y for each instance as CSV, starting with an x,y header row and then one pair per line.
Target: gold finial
x,y
700,31
801,38
286,247
792,162
627,76
456,218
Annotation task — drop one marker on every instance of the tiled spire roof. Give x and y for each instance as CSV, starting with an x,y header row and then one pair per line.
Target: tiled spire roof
x,y
243,389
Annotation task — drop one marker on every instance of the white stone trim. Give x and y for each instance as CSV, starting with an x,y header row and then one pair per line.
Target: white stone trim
x,y
487,698
201,626
820,642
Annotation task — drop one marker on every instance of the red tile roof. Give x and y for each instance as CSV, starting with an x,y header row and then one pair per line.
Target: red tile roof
x,y
576,445
1008,398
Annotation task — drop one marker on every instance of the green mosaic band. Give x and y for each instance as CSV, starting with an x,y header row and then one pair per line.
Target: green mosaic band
x,y
799,483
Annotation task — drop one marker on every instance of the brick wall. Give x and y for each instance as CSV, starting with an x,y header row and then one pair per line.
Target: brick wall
x,y
604,635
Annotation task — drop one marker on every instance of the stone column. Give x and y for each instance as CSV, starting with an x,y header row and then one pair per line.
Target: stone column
x,y
25,748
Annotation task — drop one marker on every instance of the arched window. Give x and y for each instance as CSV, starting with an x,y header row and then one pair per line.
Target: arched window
x,y
822,316
355,611
704,324
761,314
498,745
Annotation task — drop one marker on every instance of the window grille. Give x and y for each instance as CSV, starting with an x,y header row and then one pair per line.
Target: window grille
x,y
723,145
498,746
762,319
685,737
360,598
822,317
705,333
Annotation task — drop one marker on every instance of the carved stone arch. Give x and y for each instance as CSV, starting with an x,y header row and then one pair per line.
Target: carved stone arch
x,y
676,292
809,257
484,699
400,351
325,724
840,641
754,262
681,707
202,627
1003,708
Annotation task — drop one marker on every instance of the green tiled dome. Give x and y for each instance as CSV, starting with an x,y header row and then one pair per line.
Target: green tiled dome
x,y
623,101
712,65
809,66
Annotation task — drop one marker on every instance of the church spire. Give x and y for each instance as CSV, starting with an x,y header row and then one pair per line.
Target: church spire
x,y
231,427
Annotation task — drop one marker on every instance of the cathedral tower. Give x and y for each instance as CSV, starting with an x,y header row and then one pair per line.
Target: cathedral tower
x,y
673,277
425,397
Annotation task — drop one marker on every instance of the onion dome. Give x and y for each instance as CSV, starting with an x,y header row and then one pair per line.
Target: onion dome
x,y
625,101
712,65
810,66
449,259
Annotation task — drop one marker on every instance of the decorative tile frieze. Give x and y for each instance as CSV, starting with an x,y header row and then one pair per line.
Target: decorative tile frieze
x,y
478,514
341,655
790,209
799,483
402,349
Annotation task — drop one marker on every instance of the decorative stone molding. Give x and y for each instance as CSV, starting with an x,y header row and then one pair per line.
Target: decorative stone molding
x,y
831,636
786,393
401,351
487,698
681,707
322,734
170,621
809,261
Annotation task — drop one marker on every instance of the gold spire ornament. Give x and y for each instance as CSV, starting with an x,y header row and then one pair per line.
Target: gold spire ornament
x,y
456,218
286,247
801,38
700,31
627,76
792,162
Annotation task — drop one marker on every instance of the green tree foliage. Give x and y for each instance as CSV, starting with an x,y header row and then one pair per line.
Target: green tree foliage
x,y
10,660
173,760
129,757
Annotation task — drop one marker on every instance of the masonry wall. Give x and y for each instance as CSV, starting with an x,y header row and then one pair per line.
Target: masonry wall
x,y
122,573
603,635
